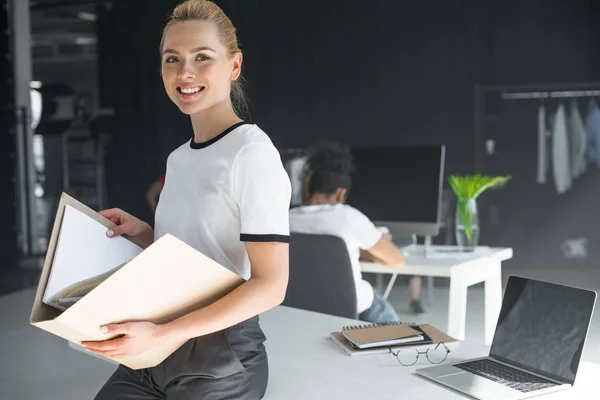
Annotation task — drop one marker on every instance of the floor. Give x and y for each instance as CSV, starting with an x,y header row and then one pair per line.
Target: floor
x,y
33,360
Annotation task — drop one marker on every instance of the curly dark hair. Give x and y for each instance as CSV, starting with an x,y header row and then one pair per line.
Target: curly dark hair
x,y
329,166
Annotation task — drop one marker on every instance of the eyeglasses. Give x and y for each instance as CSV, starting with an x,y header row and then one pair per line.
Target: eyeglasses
x,y
435,355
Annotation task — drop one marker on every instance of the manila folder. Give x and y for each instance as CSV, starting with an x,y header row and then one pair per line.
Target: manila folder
x,y
166,281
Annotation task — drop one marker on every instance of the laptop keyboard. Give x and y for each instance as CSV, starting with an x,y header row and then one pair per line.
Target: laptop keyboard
x,y
504,375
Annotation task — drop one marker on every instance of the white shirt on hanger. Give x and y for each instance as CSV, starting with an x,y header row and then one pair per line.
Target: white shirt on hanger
x,y
578,141
542,150
561,164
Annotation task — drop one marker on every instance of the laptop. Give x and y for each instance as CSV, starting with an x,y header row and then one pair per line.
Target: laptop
x,y
537,345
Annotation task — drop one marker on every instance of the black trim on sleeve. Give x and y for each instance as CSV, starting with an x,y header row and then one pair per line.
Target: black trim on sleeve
x,y
203,145
245,237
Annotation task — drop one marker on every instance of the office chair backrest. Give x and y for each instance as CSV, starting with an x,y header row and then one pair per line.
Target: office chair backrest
x,y
321,277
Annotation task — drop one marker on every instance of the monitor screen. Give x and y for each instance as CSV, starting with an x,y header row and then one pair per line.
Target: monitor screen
x,y
543,326
401,184
295,167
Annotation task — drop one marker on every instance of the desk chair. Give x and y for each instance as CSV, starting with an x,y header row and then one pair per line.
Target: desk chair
x,y
321,277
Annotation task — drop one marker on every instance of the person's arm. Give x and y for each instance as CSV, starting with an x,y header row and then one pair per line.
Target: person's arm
x,y
128,225
375,246
263,291
385,252
153,194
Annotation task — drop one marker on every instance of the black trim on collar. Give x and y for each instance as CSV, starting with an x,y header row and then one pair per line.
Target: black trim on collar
x,y
203,145
244,237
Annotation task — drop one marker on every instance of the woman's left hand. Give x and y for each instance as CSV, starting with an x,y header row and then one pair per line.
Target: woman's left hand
x,y
137,338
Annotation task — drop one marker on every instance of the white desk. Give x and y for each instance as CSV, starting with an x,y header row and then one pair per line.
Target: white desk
x,y
304,363
463,272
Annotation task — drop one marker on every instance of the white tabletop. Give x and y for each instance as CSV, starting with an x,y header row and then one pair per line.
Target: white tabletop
x,y
439,262
305,364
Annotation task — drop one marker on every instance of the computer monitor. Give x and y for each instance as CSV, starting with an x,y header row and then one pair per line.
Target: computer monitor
x,y
294,161
400,187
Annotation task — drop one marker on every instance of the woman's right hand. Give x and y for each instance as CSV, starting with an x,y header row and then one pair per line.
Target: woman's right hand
x,y
128,225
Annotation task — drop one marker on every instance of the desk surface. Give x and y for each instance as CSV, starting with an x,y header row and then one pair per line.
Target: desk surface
x,y
304,363
440,264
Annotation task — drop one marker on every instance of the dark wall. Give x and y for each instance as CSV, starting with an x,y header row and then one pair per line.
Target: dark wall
x,y
81,76
8,231
149,126
368,74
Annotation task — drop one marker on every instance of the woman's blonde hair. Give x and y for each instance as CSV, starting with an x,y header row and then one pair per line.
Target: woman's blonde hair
x,y
204,10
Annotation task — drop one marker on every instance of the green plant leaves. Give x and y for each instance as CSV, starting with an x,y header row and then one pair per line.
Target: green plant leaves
x,y
467,188
471,186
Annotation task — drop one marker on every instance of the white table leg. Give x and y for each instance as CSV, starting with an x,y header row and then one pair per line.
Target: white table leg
x,y
379,283
390,286
430,295
493,299
457,309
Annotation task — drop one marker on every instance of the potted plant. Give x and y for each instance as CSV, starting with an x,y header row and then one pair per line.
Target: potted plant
x,y
467,189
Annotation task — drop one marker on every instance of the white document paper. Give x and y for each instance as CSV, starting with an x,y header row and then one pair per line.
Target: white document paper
x,y
83,251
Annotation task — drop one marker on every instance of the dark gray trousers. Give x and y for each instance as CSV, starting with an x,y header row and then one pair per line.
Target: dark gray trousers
x,y
229,364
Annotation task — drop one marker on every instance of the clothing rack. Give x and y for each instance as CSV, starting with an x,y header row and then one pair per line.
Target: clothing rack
x,y
546,95
521,92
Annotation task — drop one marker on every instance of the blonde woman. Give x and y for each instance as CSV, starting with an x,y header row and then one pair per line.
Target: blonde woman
x,y
226,194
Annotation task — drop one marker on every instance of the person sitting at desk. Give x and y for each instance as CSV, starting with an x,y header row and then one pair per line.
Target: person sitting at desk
x,y
327,181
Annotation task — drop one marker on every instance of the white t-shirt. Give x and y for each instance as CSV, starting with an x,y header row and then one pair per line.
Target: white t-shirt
x,y
347,223
224,192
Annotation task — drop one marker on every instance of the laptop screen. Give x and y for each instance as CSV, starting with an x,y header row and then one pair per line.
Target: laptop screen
x,y
542,326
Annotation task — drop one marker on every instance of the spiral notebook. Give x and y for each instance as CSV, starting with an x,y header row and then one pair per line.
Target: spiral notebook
x,y
377,335
430,334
